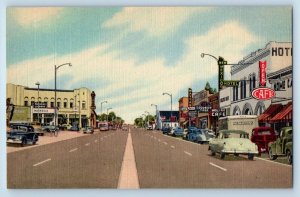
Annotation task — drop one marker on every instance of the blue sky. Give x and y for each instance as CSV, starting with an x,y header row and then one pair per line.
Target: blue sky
x,y
130,56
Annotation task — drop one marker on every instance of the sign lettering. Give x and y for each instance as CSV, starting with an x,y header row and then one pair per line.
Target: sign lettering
x,y
263,93
262,71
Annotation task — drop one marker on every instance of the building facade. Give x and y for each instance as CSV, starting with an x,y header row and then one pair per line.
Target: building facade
x,y
73,105
164,118
183,111
277,55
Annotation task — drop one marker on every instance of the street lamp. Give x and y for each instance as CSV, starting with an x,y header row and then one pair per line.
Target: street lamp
x,y
55,105
38,85
165,93
147,118
101,105
107,113
156,115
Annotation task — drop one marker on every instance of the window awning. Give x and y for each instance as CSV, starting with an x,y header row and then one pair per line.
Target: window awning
x,y
270,112
285,115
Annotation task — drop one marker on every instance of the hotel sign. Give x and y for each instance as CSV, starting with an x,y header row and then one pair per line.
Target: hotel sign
x,y
222,81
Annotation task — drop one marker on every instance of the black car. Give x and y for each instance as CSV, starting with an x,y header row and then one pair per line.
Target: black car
x,y
166,130
22,134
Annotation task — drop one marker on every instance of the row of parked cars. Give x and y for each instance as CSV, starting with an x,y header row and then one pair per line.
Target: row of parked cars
x,y
238,142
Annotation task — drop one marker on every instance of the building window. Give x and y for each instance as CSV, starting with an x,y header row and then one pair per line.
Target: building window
x,y
254,81
58,104
283,84
241,89
244,86
32,103
250,84
65,104
71,105
83,105
26,103
52,104
46,104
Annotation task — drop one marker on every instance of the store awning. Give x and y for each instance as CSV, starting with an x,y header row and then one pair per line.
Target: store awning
x,y
270,112
285,115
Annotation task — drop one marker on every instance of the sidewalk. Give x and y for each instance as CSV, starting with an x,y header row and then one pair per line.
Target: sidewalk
x,y
46,139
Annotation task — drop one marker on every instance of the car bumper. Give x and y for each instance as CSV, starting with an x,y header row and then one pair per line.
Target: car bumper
x,y
12,141
239,152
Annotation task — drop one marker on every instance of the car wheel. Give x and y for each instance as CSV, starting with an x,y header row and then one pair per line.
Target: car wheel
x,y
212,153
24,142
250,156
271,156
222,155
289,156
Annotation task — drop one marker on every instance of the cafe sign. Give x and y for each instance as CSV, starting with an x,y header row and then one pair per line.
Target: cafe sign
x,y
263,93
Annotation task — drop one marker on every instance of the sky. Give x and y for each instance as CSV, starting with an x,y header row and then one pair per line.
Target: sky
x,y
130,55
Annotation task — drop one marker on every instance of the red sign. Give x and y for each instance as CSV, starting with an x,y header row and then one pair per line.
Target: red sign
x,y
263,93
262,71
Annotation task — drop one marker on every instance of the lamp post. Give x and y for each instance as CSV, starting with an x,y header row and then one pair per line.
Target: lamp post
x,y
38,85
147,118
156,122
107,113
101,105
55,105
165,93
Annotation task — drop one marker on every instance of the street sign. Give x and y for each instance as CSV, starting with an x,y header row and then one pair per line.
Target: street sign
x,y
39,105
193,114
262,73
263,93
191,108
190,97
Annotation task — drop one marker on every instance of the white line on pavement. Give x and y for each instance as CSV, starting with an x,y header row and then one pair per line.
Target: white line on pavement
x,y
165,143
188,153
87,144
75,149
159,140
128,178
224,169
172,146
96,141
42,162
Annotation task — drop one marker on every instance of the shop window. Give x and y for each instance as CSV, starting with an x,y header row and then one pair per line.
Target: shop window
x,y
83,105
58,104
26,103
46,104
283,84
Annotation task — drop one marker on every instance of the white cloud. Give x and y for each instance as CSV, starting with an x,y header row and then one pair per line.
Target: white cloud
x,y
140,85
153,20
35,16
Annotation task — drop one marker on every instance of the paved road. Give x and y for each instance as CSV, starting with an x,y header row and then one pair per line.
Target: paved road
x,y
94,161
167,162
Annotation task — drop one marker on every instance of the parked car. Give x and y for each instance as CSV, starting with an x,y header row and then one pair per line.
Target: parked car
x,y
124,127
50,128
166,130
22,134
283,146
74,128
233,142
149,127
199,136
103,126
88,129
177,132
65,127
262,136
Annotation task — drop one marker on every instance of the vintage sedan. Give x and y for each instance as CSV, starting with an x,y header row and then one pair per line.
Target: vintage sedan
x,y
177,132
22,134
233,142
199,135
88,129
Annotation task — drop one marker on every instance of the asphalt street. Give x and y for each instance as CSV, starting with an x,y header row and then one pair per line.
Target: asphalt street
x,y
94,161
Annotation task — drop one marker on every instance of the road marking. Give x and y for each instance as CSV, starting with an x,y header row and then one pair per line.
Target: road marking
x,y
128,178
87,144
287,165
42,162
188,153
224,169
165,143
172,146
96,141
75,149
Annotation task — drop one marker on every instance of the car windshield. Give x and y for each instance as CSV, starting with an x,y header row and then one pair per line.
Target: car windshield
x,y
266,132
235,135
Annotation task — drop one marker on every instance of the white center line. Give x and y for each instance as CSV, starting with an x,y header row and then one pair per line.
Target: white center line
x,y
87,144
159,140
172,146
75,149
42,162
165,143
224,169
96,141
188,153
